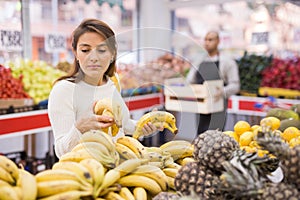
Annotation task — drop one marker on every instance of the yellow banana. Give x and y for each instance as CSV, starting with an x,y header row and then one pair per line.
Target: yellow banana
x,y
134,180
4,183
136,146
68,195
75,167
48,188
154,173
171,182
6,176
125,152
114,129
18,191
58,174
28,185
178,149
170,172
121,170
75,156
91,145
110,105
126,194
9,166
140,193
113,188
96,170
8,193
116,81
100,137
157,118
113,196
174,165
185,160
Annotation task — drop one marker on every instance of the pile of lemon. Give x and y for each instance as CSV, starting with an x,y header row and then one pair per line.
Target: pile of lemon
x,y
245,134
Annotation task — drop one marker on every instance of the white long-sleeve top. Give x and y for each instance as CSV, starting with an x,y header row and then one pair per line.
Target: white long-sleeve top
x,y
228,70
70,101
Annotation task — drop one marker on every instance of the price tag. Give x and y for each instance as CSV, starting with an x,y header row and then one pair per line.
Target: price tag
x,y
260,38
11,40
55,43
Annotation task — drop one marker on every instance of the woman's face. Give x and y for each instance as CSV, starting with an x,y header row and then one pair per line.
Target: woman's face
x,y
94,57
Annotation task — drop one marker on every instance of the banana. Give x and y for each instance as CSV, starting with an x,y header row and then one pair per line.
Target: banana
x,y
115,79
91,145
68,195
6,176
27,184
126,194
174,165
96,170
100,137
178,148
185,160
113,196
121,170
9,166
82,172
114,129
157,118
140,193
112,106
48,188
171,172
8,193
171,182
136,146
125,152
4,183
154,173
58,174
75,156
112,188
134,180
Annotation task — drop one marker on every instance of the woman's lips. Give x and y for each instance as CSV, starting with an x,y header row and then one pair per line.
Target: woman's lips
x,y
93,66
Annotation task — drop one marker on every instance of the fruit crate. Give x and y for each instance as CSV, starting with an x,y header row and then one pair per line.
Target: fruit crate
x,y
279,92
196,98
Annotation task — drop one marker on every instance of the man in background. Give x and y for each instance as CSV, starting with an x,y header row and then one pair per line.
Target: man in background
x,y
224,68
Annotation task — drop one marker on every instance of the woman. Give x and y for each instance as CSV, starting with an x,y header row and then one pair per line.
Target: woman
x,y
72,98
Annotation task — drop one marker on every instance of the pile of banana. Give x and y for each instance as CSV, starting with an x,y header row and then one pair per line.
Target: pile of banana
x,y
98,168
16,183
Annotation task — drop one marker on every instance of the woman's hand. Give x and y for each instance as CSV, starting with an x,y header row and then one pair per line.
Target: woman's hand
x,y
94,122
149,128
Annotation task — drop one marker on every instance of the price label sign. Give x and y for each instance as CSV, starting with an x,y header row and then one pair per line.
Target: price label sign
x,y
55,43
11,40
260,38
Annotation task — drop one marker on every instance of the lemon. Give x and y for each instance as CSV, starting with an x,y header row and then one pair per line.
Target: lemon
x,y
232,134
272,122
290,133
254,127
246,138
241,127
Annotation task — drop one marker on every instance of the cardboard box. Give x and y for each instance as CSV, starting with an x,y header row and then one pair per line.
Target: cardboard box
x,y
6,103
196,98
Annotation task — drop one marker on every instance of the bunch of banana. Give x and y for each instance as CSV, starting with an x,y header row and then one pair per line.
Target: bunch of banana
x,y
178,149
158,119
94,144
110,108
132,144
16,183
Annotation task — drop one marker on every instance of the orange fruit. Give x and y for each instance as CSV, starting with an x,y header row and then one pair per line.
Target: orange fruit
x,y
290,133
272,122
232,134
241,126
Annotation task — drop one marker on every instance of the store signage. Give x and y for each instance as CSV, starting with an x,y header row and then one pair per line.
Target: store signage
x,y
260,38
11,40
55,43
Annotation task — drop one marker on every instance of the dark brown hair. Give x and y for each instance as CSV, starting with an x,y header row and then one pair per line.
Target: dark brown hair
x,y
97,26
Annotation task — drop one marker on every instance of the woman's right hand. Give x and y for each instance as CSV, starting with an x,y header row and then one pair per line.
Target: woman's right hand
x,y
94,122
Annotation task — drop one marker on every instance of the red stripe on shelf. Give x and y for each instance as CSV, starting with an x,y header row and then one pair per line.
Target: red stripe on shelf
x,y
23,123
143,103
229,105
248,105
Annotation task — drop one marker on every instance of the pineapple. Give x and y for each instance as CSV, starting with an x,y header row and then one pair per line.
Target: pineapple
x,y
289,157
195,178
166,196
243,180
213,147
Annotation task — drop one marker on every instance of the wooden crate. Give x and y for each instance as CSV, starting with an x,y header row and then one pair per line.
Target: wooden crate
x,y
196,98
